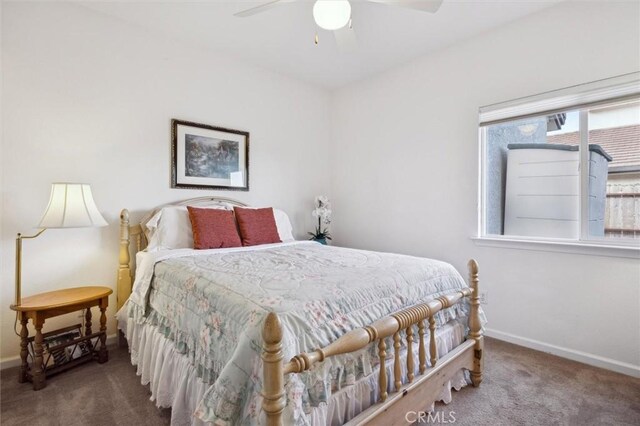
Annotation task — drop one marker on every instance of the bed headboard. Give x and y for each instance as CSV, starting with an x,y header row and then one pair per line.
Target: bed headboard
x,y
135,233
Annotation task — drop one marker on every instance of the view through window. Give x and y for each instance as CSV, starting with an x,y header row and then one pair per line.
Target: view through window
x,y
532,174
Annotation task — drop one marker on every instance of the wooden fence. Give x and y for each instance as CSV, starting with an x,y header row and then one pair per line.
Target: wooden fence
x,y
622,218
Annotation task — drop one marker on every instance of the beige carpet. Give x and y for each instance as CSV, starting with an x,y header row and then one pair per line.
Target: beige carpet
x,y
521,387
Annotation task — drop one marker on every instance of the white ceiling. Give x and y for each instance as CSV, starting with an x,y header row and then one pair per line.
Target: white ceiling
x,y
281,39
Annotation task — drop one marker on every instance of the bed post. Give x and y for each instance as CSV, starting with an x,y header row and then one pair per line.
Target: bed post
x,y
124,270
274,401
475,328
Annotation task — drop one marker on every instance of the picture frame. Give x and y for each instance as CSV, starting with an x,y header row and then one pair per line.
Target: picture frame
x,y
208,157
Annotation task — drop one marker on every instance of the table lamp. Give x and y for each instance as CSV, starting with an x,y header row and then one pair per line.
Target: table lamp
x,y
71,205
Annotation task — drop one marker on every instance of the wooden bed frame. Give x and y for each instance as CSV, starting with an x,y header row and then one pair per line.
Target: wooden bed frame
x,y
391,409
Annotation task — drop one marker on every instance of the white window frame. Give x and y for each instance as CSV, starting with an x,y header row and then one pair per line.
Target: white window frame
x,y
581,98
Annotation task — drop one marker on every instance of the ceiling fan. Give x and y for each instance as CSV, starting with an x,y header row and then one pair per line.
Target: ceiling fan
x,y
335,15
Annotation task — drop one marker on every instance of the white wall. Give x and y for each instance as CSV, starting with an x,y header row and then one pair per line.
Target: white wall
x,y
88,98
405,167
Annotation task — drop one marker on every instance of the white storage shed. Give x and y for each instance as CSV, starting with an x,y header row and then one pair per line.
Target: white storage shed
x,y
542,190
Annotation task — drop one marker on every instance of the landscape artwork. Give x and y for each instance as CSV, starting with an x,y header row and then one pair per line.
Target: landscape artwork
x,y
209,157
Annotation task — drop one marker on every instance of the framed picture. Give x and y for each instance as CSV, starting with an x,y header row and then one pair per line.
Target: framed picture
x,y
209,157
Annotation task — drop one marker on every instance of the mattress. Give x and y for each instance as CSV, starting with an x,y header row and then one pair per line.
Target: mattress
x,y
211,305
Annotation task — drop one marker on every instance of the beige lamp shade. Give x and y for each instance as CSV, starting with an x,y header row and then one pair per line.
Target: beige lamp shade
x,y
71,205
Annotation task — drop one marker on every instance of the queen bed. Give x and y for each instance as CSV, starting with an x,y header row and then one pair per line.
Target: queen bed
x,y
370,336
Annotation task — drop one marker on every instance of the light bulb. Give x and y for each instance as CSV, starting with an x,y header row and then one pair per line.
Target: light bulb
x,y
332,14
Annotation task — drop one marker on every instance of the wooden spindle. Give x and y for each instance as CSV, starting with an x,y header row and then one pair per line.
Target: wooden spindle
x,y
422,356
382,352
475,328
24,348
397,372
410,365
124,270
38,376
433,350
103,354
273,402
87,322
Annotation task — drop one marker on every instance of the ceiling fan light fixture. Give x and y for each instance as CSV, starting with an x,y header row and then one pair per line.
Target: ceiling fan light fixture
x,y
332,14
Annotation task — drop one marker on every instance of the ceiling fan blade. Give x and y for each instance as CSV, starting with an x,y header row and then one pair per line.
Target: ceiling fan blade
x,y
346,39
257,9
430,6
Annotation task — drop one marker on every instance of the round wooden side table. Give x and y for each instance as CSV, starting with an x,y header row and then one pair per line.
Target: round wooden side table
x,y
39,307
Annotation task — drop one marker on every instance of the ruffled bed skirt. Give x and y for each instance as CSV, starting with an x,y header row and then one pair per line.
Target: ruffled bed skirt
x,y
174,382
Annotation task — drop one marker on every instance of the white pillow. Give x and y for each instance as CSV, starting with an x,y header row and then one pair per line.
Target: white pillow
x,y
285,230
170,228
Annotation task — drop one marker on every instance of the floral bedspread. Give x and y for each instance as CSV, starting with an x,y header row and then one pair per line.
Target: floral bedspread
x,y
213,305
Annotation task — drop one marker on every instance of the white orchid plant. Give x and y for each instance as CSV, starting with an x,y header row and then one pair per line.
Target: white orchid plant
x,y
323,213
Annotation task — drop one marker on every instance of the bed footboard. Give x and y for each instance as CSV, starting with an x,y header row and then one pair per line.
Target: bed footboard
x,y
391,408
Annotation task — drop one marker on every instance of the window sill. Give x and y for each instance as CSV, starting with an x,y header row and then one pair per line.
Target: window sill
x,y
576,247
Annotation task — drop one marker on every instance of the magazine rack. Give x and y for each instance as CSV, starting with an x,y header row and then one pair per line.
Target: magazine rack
x,y
65,348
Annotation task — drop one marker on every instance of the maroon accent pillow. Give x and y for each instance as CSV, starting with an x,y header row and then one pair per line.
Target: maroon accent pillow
x,y
213,228
257,226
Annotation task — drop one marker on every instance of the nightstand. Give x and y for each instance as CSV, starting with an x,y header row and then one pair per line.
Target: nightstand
x,y
73,346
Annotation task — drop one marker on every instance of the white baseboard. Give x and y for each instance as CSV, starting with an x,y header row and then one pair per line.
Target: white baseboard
x,y
8,362
586,358
14,361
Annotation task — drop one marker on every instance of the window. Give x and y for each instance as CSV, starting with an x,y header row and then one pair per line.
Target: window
x,y
564,166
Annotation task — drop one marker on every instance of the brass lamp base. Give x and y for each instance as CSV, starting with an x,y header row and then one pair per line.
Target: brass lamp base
x,y
19,238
